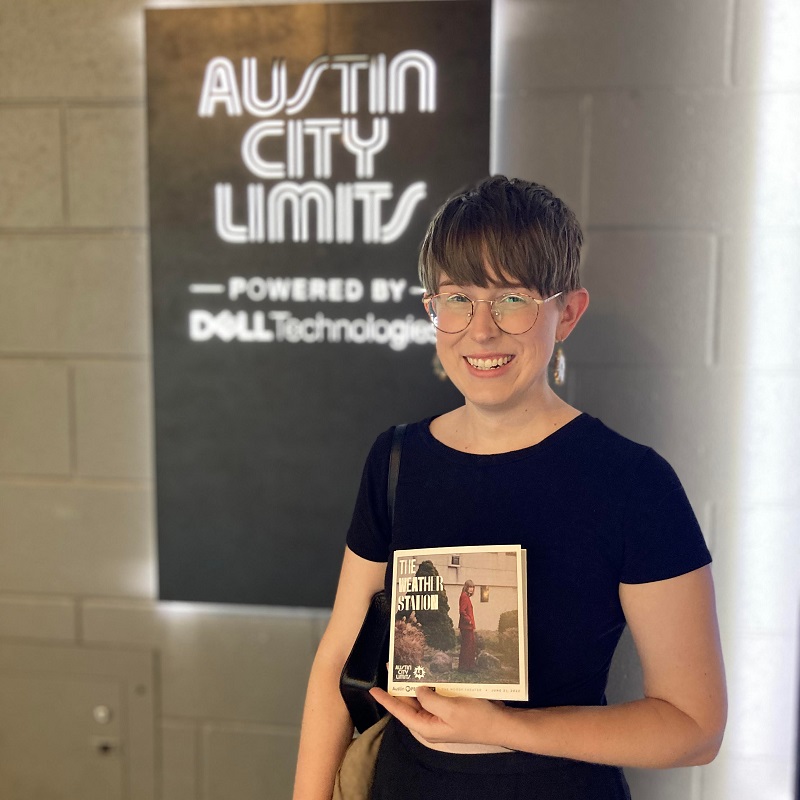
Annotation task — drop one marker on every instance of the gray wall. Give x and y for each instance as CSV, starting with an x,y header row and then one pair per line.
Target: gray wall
x,y
670,126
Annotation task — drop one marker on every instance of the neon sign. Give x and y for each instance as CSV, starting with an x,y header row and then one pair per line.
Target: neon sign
x,y
262,214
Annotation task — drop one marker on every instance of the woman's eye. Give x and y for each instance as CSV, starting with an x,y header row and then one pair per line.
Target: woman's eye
x,y
456,299
512,300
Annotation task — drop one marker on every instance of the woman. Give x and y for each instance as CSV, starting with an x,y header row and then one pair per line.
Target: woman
x,y
466,628
610,535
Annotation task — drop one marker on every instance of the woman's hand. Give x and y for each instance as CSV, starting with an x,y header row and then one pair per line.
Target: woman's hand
x,y
446,719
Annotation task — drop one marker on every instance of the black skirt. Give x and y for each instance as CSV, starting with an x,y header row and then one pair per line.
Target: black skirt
x,y
406,769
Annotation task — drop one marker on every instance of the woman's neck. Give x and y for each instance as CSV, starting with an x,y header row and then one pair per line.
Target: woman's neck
x,y
483,431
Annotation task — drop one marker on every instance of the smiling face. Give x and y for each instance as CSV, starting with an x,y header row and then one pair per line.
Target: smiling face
x,y
500,236
493,369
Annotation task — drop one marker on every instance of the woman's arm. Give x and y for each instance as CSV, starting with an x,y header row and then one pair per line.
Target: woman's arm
x,y
678,722
327,729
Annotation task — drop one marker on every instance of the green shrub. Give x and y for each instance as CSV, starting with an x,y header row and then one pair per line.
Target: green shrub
x,y
508,619
409,643
509,646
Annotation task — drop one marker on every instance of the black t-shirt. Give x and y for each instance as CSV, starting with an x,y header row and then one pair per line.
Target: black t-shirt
x,y
592,508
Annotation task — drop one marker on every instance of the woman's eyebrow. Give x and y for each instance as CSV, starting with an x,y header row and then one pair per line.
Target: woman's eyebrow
x,y
501,286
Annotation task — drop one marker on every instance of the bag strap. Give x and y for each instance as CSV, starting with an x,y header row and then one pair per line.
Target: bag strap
x,y
394,468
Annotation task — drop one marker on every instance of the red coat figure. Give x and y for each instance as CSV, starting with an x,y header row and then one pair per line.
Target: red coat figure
x,y
466,628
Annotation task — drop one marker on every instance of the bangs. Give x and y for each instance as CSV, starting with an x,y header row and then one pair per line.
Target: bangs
x,y
471,247
503,232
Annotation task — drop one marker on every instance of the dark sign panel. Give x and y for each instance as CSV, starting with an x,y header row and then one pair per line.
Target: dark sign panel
x,y
296,156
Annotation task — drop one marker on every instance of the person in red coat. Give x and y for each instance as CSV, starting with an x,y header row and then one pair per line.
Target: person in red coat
x,y
466,628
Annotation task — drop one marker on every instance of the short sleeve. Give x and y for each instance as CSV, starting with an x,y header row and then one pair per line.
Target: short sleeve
x,y
662,538
369,535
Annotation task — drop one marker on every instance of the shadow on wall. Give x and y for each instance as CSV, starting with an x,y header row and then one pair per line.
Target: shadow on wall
x,y
676,328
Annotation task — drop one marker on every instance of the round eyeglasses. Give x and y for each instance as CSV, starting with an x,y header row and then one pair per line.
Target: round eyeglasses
x,y
514,312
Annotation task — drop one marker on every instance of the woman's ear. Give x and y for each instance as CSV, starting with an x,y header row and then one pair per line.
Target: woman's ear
x,y
576,303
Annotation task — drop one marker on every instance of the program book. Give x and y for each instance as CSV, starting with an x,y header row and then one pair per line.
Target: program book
x,y
460,622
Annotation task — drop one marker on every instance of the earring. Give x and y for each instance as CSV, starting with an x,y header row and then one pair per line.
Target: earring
x,y
438,368
559,365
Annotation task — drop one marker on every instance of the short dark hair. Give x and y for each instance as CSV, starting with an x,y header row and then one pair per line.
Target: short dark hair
x,y
517,229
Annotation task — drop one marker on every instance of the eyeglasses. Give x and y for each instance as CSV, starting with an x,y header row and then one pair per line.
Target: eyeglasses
x,y
514,312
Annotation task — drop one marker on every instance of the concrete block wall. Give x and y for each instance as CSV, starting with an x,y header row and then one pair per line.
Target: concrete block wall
x,y
672,129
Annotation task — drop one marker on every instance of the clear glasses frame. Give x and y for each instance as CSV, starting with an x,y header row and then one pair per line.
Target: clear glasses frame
x,y
495,310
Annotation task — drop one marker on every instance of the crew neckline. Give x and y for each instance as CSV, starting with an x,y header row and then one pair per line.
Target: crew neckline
x,y
557,436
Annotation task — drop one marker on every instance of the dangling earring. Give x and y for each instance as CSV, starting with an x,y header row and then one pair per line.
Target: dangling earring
x,y
559,365
438,367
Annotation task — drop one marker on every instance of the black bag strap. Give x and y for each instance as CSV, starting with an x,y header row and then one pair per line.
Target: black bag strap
x,y
366,664
394,468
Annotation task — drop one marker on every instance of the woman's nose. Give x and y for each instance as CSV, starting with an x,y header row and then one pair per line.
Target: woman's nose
x,y
483,325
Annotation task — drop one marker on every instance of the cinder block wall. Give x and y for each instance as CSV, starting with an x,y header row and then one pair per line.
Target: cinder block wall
x,y
674,129
671,127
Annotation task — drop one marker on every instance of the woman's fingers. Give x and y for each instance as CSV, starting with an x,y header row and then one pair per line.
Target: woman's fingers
x,y
438,718
430,701
395,705
409,711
